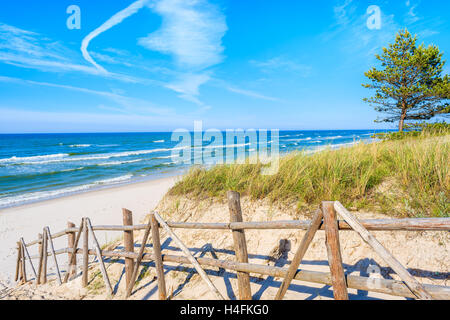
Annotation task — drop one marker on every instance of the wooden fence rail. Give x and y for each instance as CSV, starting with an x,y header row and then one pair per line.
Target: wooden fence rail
x,y
421,224
387,286
326,220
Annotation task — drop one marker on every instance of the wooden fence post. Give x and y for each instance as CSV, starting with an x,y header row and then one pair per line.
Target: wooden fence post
x,y
45,257
70,244
41,259
74,255
334,251
128,243
16,277
23,271
240,245
85,254
158,258
138,260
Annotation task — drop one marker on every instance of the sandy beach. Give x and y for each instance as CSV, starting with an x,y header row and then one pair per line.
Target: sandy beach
x,y
102,206
425,254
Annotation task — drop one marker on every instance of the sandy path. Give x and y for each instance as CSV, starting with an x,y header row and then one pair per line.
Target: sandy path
x,y
102,206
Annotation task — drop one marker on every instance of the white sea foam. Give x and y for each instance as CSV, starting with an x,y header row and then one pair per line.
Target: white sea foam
x,y
79,145
290,135
97,157
33,158
106,145
116,163
223,146
35,196
159,141
303,139
74,169
114,180
332,138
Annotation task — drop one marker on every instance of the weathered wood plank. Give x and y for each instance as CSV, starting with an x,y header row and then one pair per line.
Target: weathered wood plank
x,y
41,259
73,259
28,255
334,251
240,244
52,249
386,286
191,258
72,265
45,257
158,258
16,277
128,243
304,245
85,274
410,281
22,266
99,257
139,257
413,224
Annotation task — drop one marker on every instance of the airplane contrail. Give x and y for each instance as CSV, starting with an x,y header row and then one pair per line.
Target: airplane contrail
x,y
111,22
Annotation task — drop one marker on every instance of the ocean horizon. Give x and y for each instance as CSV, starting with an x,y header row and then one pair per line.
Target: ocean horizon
x,y
43,166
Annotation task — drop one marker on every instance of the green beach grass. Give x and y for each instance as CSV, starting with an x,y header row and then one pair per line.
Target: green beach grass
x,y
406,177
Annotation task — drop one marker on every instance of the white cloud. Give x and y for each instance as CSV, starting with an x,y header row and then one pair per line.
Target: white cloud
x,y
191,33
284,64
43,64
187,85
350,28
427,33
341,12
127,103
251,94
351,18
31,50
111,22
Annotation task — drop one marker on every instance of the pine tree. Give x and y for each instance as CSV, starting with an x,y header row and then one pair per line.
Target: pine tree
x,y
409,85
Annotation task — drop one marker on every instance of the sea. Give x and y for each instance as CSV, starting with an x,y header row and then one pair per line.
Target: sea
x,y
37,167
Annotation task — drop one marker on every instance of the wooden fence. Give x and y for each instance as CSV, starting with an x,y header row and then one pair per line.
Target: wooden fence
x,y
324,219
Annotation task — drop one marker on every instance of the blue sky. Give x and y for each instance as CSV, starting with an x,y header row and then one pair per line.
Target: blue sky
x,y
159,65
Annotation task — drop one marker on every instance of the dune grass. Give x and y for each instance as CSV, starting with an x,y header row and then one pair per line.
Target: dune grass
x,y
407,178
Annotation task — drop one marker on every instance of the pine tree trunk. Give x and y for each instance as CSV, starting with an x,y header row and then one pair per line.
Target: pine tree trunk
x,y
402,119
400,125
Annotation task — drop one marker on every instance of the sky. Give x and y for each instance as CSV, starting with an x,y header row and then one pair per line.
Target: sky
x,y
159,65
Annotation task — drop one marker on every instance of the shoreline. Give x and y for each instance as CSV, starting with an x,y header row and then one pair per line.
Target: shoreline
x,y
159,176
102,206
